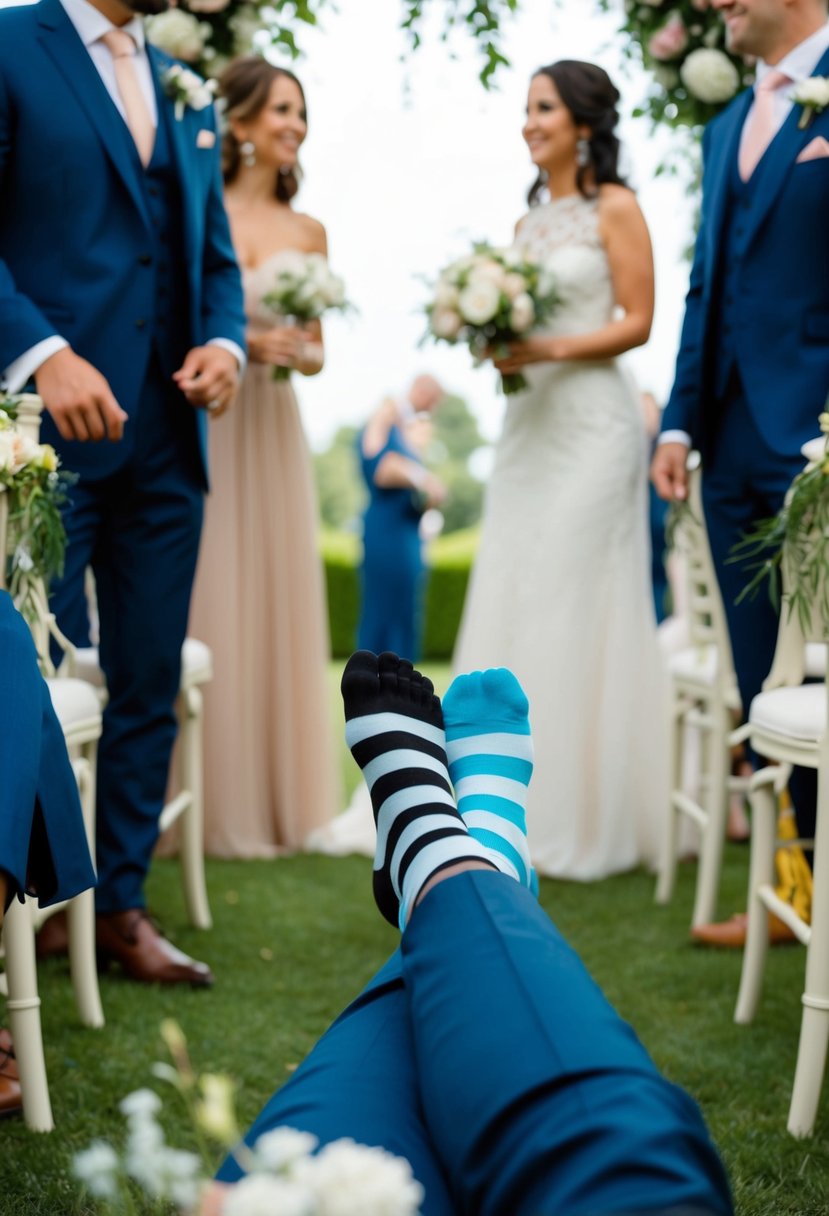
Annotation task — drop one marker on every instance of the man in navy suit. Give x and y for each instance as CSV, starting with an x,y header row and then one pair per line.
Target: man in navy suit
x,y
121,297
752,372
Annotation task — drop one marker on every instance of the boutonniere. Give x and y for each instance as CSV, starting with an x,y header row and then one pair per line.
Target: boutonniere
x,y
813,95
187,89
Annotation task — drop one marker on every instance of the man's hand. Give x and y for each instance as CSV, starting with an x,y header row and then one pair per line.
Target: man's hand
x,y
78,398
209,377
668,471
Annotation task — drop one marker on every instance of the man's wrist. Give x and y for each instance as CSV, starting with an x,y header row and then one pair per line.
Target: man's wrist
x,y
674,436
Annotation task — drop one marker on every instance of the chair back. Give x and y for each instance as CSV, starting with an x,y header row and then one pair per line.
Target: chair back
x,y
707,624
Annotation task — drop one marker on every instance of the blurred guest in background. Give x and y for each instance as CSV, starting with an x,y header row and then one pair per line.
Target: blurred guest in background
x,y
400,490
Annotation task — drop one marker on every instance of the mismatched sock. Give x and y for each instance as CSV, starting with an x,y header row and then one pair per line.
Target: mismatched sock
x,y
394,727
490,755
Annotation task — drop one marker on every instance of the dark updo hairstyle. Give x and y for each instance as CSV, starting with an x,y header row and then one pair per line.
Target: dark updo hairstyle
x,y
591,97
245,86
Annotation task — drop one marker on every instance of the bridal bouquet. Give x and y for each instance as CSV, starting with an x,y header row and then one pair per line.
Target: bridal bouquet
x,y
304,287
489,298
284,1174
32,492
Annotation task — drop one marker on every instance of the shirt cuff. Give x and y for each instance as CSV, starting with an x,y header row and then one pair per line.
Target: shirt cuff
x,y
19,373
674,437
235,350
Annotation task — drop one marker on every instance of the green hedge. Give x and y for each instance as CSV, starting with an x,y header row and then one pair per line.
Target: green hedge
x,y
450,561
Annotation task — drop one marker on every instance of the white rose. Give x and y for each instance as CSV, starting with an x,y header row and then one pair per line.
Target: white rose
x,y
710,75
513,285
813,92
491,270
522,313
178,33
446,324
446,295
478,302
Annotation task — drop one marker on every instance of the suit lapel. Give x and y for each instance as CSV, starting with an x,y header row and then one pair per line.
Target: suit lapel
x,y
778,161
71,58
723,154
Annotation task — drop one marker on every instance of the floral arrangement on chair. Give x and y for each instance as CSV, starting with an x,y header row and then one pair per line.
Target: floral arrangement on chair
x,y
797,537
284,1175
682,42
32,492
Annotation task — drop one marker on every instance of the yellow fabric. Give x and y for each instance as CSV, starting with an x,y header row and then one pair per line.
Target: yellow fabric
x,y
794,876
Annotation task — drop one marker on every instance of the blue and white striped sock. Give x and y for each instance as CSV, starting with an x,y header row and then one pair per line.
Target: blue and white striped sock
x,y
490,753
394,727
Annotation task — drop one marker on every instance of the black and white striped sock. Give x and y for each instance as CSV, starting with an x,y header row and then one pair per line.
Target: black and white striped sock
x,y
394,727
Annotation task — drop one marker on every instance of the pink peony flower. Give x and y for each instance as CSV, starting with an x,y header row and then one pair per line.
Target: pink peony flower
x,y
671,40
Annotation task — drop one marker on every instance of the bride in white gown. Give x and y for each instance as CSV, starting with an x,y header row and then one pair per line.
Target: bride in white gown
x,y
560,591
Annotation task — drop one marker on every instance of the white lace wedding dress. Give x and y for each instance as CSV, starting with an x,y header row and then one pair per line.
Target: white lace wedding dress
x,y
560,590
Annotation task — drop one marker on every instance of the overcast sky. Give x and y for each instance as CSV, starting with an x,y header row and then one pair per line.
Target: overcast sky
x,y
406,164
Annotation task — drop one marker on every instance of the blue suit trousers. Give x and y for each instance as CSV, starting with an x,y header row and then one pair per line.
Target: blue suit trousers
x,y
486,1055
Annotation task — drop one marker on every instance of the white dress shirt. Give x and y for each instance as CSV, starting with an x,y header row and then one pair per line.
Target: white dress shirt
x,y
91,25
799,64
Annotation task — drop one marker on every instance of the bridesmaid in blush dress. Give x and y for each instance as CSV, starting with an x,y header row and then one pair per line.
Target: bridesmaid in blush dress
x,y
259,600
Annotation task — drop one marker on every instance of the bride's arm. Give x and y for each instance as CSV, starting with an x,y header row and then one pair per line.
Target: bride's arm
x,y
630,256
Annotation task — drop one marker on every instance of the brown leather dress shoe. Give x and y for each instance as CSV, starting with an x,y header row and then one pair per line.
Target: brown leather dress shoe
x,y
52,939
732,933
132,939
11,1098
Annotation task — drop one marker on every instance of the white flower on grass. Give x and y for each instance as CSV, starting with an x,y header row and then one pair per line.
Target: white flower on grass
x,y
710,75
140,1104
479,301
262,1195
97,1168
446,324
522,313
351,1179
282,1147
178,33
168,1173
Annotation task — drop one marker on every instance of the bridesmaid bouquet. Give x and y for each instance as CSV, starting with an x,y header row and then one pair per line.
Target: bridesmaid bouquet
x,y
304,287
489,298
284,1175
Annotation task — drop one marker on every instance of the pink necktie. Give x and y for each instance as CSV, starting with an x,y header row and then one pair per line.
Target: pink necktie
x,y
759,129
139,120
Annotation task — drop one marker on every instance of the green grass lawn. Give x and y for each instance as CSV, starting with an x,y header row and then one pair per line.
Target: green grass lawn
x,y
296,938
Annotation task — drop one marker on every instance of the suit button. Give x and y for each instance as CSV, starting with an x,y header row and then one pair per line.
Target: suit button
x,y
145,259
153,191
140,323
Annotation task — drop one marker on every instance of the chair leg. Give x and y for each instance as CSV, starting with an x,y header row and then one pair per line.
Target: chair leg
x,y
761,873
81,909
718,765
666,881
192,820
814,1028
24,1016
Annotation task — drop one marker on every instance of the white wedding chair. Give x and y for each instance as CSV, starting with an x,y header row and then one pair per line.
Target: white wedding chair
x,y
186,807
787,724
79,715
704,699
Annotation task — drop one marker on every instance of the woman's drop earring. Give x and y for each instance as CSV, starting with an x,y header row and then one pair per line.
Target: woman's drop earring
x,y
583,153
247,151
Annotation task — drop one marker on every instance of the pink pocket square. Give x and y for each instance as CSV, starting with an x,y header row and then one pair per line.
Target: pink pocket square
x,y
207,139
818,148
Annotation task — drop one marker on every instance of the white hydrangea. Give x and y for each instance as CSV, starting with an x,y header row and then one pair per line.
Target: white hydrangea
x,y
282,1147
178,33
140,1104
710,75
263,1195
97,1168
349,1179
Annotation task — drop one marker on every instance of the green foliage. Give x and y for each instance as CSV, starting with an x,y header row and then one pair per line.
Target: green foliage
x,y
450,562
341,491
482,19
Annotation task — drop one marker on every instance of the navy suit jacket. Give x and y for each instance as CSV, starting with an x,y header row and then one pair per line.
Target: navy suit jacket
x,y
74,227
782,334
